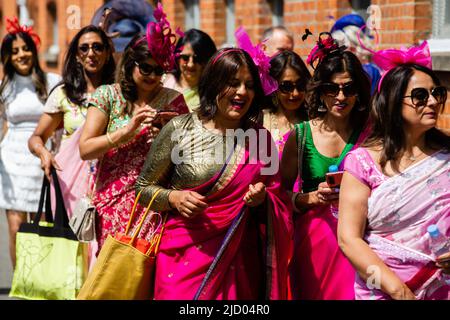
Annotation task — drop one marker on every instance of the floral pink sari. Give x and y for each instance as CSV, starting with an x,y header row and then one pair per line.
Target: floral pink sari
x,y
253,264
400,210
118,171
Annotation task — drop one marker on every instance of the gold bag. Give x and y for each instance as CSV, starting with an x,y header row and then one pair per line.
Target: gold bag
x,y
122,271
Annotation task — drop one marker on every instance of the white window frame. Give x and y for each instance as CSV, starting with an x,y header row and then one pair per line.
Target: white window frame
x,y
230,21
277,7
440,39
192,17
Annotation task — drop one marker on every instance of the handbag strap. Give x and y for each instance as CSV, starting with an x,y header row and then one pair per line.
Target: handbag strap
x,y
301,137
141,222
61,218
44,198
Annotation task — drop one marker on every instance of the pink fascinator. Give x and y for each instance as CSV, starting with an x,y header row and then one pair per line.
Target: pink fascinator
x,y
325,45
261,60
161,40
390,58
13,26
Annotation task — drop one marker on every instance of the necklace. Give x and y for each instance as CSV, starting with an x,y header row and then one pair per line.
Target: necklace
x,y
274,128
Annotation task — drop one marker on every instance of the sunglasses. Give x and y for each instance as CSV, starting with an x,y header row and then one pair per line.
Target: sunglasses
x,y
419,96
98,48
289,86
147,69
186,57
332,89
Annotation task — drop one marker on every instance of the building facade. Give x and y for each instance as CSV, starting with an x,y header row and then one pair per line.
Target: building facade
x,y
400,23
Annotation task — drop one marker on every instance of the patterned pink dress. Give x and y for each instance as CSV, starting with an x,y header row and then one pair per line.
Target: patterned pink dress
x,y
120,167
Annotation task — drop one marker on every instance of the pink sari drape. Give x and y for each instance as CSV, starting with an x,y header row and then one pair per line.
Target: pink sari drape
x,y
319,270
400,210
254,262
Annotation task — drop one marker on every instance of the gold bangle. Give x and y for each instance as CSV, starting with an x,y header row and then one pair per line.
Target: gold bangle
x,y
110,141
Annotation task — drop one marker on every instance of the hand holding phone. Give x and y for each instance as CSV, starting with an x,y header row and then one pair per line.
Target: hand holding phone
x,y
334,179
162,117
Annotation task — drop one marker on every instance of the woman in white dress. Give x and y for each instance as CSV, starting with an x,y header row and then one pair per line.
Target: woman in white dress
x,y
23,92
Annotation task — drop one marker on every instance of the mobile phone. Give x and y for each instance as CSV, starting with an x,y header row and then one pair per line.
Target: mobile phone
x,y
334,178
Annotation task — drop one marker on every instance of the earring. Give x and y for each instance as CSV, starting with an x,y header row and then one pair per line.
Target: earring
x,y
321,107
275,101
360,106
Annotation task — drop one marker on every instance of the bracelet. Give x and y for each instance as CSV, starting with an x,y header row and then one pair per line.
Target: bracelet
x,y
294,199
110,141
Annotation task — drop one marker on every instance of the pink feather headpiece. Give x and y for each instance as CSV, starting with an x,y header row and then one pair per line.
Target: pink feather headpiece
x,y
390,58
13,27
261,60
161,40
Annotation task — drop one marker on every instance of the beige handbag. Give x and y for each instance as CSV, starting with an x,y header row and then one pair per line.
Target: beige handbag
x,y
82,221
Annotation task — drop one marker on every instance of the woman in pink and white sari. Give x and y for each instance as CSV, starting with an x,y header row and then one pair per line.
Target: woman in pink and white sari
x,y
396,186
228,233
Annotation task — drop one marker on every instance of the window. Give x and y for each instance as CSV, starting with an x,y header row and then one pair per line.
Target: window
x,y
360,7
230,22
192,18
277,12
51,55
441,19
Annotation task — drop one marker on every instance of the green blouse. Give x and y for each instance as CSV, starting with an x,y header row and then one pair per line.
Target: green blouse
x,y
315,165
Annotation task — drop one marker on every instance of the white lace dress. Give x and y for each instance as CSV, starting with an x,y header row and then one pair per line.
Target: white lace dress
x,y
20,171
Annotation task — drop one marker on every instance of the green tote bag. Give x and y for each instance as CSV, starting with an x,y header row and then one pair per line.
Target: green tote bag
x,y
51,263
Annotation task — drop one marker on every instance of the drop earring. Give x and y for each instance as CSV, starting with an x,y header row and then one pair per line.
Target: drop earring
x,y
321,107
275,101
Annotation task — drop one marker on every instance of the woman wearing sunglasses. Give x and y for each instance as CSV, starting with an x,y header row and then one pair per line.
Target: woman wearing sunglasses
x,y
23,91
287,106
216,196
337,98
397,185
196,48
122,120
88,64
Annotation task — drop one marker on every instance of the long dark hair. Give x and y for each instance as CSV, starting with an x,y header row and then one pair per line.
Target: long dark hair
x,y
278,64
216,78
202,45
337,62
37,75
75,85
387,115
136,51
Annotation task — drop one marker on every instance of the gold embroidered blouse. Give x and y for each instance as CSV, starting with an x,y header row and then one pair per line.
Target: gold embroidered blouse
x,y
184,155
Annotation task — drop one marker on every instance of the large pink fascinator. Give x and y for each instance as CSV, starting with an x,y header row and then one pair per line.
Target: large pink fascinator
x,y
390,58
261,60
161,40
13,27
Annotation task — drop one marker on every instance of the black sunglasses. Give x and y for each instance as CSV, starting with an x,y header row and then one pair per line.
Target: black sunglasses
x,y
98,48
186,57
419,96
147,69
332,89
289,86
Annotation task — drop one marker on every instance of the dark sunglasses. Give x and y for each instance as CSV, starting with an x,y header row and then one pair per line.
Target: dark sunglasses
x,y
98,48
147,69
186,57
419,96
289,86
332,89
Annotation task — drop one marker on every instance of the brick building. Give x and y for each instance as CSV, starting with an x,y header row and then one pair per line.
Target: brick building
x,y
401,22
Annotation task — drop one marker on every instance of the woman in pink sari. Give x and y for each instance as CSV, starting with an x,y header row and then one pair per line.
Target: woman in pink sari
x,y
228,233
337,99
397,185
122,120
